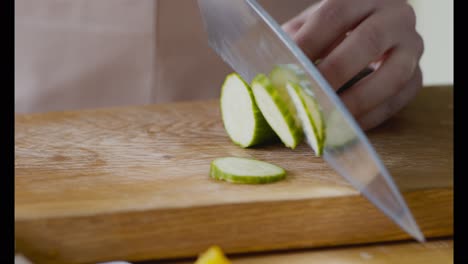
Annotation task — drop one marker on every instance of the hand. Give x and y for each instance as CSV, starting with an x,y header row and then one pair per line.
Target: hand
x,y
350,35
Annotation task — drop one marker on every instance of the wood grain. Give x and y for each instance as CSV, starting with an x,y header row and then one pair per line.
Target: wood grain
x,y
433,252
132,183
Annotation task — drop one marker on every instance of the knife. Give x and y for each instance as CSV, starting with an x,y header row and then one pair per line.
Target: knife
x,y
247,38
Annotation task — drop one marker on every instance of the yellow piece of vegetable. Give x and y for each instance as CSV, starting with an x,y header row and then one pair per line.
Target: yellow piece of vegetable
x,y
214,255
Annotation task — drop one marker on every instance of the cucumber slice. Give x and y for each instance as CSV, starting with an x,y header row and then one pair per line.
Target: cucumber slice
x,y
286,72
310,114
283,73
278,110
339,134
245,170
243,121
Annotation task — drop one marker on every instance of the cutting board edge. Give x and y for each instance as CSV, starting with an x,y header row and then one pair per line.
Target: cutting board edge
x,y
190,206
31,234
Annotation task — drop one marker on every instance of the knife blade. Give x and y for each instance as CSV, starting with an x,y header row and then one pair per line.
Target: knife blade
x,y
248,39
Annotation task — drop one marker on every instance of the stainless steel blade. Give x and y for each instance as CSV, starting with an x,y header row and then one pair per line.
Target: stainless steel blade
x,y
251,42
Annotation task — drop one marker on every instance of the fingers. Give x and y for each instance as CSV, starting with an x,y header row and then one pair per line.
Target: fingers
x,y
349,36
383,112
328,22
368,42
391,77
293,25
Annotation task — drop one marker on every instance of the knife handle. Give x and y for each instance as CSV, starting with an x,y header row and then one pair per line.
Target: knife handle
x,y
355,79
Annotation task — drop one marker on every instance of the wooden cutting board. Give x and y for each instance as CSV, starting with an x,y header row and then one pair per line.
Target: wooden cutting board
x,y
132,183
433,252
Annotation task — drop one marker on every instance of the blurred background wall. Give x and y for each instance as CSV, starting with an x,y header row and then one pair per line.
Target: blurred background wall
x,y
435,23
87,54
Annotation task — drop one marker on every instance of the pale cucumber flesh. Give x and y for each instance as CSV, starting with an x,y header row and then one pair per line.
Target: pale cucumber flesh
x,y
286,72
340,134
283,73
243,121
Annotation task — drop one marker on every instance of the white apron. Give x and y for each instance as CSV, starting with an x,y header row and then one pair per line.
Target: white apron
x,y
89,54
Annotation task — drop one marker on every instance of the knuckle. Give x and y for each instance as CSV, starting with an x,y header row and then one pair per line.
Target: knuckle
x,y
331,11
409,14
403,73
419,42
303,41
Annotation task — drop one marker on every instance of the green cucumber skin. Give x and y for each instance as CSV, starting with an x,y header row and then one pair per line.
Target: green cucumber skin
x,y
320,136
322,128
290,120
216,173
262,131
290,73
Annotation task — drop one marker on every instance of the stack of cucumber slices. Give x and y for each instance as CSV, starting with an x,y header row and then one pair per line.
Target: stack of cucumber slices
x,y
279,106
